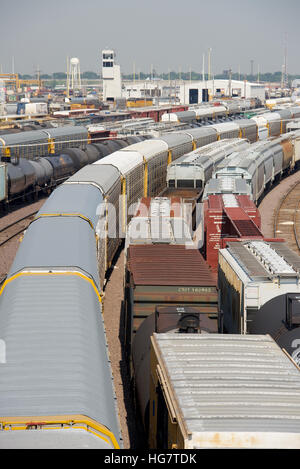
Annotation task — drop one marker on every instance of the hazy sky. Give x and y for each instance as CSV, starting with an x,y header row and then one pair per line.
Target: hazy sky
x,y
166,33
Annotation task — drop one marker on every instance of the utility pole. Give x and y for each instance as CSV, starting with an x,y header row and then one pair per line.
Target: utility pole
x,y
68,83
285,61
257,73
209,62
229,83
203,72
252,62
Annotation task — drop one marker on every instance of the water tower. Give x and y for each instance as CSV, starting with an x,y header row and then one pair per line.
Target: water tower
x,y
75,79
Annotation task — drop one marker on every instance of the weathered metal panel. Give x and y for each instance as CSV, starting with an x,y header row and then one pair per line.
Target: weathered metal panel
x,y
225,391
168,265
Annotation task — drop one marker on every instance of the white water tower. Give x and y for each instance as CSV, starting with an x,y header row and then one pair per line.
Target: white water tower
x,y
75,78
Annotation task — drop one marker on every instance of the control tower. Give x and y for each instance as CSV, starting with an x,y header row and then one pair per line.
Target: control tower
x,y
111,75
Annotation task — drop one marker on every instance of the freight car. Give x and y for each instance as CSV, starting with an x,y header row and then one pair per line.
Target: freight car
x,y
36,143
222,391
259,291
31,176
194,169
160,220
228,217
56,380
255,169
161,275
55,275
201,114
274,123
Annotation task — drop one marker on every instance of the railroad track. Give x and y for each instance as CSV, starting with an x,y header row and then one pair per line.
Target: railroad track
x,y
287,218
14,229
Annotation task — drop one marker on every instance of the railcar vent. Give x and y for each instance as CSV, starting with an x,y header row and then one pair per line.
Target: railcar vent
x,y
269,258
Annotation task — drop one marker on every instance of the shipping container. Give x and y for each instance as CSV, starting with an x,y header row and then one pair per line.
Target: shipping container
x,y
213,391
36,108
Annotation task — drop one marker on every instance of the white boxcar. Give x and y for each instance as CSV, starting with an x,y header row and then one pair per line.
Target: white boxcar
x,y
222,391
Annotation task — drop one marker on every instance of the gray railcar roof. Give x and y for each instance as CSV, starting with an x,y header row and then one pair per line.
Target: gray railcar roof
x,y
175,138
56,352
104,176
227,185
66,130
231,383
83,199
23,137
257,270
199,132
246,123
59,242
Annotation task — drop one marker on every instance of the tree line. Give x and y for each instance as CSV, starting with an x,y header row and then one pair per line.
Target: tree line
x,y
263,77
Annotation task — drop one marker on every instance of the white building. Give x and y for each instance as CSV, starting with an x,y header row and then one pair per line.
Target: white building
x,y
192,92
111,76
200,91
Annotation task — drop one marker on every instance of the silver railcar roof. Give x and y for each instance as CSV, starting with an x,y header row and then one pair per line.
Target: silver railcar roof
x,y
102,176
68,199
56,353
65,243
231,383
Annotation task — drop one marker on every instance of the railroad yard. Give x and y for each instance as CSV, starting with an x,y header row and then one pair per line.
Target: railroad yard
x,y
149,261
113,304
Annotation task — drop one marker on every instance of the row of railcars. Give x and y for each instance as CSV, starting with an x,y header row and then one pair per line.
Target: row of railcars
x,y
254,170
30,176
207,112
38,143
195,169
56,380
61,265
58,273
268,124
